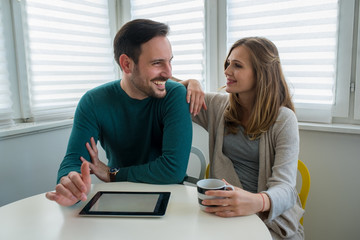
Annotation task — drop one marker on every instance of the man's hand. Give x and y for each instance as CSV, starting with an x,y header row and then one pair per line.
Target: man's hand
x,y
72,188
194,96
97,167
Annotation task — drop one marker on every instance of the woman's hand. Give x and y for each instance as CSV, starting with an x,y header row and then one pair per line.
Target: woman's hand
x,y
195,96
97,167
236,203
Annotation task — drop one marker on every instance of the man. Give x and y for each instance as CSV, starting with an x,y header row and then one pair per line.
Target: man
x,y
142,121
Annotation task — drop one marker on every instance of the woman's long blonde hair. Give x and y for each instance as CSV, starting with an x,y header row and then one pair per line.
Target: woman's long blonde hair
x,y
271,90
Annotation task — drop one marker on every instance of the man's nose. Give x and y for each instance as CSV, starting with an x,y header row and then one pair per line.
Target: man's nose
x,y
167,71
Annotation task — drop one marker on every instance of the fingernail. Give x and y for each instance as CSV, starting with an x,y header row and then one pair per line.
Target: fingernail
x,y
83,197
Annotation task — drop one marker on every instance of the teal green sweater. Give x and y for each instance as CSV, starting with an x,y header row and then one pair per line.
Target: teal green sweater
x,y
150,139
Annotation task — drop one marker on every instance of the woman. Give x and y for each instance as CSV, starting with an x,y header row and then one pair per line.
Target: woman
x,y
254,139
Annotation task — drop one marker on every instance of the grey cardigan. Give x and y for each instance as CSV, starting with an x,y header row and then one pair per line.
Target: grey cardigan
x,y
278,157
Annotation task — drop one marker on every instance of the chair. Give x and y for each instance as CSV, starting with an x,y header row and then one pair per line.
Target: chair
x,y
305,185
207,173
200,156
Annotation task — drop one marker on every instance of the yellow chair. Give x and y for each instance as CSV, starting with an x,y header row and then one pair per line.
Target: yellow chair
x,y
305,183
207,172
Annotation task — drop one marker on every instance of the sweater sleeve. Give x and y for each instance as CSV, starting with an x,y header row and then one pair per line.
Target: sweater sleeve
x,y
215,103
171,165
85,126
281,184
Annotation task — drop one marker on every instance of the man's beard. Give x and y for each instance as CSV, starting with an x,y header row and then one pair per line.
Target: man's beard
x,y
147,90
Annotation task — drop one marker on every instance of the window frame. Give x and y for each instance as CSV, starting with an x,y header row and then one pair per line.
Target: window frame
x,y
344,59
346,110
12,58
357,66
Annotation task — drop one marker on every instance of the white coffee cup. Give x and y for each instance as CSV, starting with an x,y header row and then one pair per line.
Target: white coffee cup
x,y
210,184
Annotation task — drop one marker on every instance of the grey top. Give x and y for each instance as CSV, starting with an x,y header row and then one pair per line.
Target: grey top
x,y
244,154
278,157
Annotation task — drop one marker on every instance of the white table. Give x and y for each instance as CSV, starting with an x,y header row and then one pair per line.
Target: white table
x,y
38,218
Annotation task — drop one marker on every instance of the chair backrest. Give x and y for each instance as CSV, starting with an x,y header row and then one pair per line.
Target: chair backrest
x,y
207,173
200,156
305,184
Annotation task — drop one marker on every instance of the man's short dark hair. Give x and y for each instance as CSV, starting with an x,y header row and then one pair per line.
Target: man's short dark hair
x,y
133,34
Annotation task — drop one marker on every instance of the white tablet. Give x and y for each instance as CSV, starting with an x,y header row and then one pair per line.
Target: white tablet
x,y
127,204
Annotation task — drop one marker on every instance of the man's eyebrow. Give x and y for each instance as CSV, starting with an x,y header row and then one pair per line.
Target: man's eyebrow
x,y
161,59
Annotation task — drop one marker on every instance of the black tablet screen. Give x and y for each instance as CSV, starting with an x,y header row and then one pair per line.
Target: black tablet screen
x,y
127,204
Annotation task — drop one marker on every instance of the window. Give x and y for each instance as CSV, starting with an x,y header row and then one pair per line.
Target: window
x,y
45,70
314,39
5,94
305,33
187,32
63,49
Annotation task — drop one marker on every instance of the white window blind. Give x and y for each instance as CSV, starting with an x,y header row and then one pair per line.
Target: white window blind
x,y
186,20
69,51
5,100
305,33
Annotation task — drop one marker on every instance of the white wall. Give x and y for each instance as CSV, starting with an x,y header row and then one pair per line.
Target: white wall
x,y
29,164
333,207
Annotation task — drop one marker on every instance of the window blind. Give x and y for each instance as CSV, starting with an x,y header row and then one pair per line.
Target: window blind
x,y
186,20
5,100
305,33
69,51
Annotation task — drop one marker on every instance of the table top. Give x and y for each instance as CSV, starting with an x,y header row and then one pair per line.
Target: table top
x,y
38,218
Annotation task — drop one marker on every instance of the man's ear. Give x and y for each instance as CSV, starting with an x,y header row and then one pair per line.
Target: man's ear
x,y
126,63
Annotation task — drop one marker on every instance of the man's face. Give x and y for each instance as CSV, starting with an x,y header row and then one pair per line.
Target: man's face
x,y
149,76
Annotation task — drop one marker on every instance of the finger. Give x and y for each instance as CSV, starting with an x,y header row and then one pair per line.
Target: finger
x,y
68,191
188,96
216,202
218,209
192,103
204,106
93,144
226,214
83,159
198,104
51,196
73,184
219,193
225,182
85,174
90,164
90,150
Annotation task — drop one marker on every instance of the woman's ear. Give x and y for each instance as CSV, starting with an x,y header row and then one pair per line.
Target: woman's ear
x,y
125,63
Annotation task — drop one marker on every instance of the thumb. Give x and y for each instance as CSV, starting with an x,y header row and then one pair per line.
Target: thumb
x,y
85,173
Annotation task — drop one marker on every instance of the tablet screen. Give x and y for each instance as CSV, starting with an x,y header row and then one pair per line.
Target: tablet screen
x,y
127,204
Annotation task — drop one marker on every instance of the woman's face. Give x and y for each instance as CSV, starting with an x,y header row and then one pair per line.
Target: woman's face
x,y
239,73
